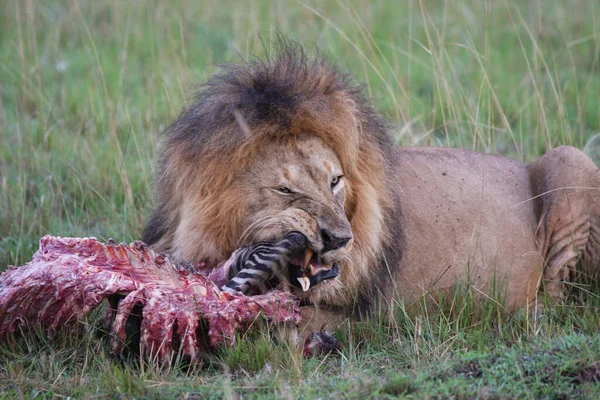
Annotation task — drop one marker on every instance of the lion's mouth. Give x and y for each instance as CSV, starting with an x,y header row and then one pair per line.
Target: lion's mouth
x,y
307,269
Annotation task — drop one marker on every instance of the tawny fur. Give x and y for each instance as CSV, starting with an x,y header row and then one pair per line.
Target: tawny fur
x,y
201,207
422,219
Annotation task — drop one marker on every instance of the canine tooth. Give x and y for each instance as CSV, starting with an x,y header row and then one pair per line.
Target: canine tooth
x,y
304,282
308,253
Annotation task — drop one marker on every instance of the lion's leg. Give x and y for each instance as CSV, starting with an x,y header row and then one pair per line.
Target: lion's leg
x,y
567,203
315,319
315,334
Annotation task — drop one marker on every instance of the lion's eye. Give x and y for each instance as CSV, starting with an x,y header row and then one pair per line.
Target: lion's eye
x,y
284,190
335,180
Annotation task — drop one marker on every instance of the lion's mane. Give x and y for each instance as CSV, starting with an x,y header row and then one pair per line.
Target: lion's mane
x,y
200,207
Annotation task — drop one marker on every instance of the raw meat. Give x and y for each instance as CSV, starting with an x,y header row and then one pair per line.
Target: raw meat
x,y
70,277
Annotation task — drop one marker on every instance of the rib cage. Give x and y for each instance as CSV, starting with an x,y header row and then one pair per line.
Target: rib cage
x,y
69,277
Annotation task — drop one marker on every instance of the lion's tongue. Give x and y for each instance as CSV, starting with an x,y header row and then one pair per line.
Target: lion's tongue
x,y
314,268
309,266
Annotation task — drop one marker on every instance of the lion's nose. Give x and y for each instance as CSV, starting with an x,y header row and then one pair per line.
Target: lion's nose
x,y
332,241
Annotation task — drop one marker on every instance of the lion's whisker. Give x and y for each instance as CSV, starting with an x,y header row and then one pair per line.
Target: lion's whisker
x,y
250,227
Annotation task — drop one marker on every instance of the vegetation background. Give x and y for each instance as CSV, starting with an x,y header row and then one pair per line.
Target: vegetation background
x,y
87,87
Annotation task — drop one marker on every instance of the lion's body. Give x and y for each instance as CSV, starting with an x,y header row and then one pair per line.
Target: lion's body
x,y
405,221
482,219
467,217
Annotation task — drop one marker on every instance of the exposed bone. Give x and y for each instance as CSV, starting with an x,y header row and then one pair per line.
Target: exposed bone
x,y
70,277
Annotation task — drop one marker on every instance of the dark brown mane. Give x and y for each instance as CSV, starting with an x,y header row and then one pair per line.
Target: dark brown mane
x,y
239,110
273,93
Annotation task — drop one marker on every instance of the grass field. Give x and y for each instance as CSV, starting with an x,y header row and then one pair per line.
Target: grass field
x,y
86,87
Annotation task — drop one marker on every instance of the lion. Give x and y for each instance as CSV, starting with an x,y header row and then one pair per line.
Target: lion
x,y
293,144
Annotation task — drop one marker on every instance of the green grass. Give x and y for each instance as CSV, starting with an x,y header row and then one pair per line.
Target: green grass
x,y
87,87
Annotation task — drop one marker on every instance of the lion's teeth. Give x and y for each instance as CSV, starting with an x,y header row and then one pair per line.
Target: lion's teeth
x,y
308,253
304,282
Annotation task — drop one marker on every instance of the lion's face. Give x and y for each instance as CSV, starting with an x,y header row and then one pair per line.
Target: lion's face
x,y
298,185
253,159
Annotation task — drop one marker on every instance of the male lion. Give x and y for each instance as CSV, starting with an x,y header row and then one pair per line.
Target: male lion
x,y
291,144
